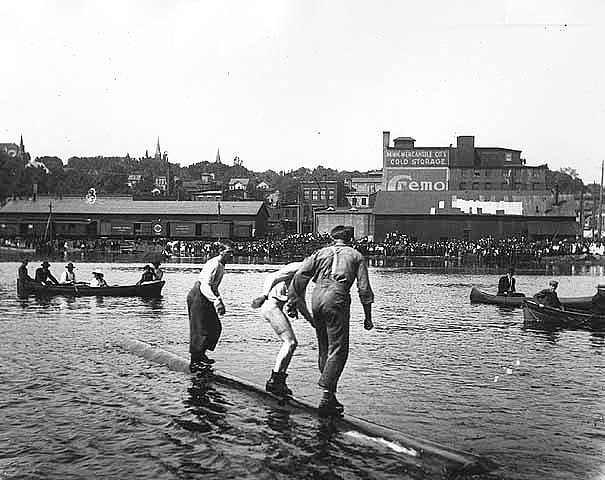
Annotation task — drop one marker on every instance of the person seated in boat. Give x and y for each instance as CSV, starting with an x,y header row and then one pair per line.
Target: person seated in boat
x,y
23,274
506,284
548,297
148,275
68,276
158,273
98,280
44,276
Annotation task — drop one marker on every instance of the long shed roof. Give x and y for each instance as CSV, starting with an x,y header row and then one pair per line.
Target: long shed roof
x,y
127,206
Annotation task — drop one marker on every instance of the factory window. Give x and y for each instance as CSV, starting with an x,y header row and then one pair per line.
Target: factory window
x,y
315,195
331,194
462,186
323,193
476,185
364,201
354,201
307,194
477,173
508,157
488,186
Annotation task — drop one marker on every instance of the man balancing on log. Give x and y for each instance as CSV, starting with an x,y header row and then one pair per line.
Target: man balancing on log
x,y
271,303
333,269
204,305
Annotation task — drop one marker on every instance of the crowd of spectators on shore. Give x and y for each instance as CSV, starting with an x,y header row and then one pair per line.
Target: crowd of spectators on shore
x,y
484,250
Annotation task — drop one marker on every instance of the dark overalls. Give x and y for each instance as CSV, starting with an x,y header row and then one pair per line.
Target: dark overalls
x,y
331,305
204,325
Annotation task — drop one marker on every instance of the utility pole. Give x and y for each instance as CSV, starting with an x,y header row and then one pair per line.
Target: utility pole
x,y
601,202
298,208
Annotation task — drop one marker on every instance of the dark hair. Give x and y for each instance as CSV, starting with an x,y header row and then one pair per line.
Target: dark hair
x,y
340,232
224,245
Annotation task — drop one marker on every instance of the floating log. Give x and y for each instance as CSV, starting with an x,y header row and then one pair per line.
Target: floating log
x,y
415,450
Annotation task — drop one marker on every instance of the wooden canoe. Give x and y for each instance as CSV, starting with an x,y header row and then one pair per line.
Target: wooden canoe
x,y
541,316
148,289
574,303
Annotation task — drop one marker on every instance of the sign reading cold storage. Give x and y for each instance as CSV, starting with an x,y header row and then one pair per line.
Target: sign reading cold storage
x,y
416,170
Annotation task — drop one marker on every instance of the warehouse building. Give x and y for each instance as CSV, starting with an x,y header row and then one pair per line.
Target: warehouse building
x,y
123,217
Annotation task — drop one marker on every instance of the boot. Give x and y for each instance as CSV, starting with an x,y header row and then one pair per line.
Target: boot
x,y
277,384
329,405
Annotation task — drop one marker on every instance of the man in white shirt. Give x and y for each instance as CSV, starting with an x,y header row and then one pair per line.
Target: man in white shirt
x,y
204,305
272,301
68,276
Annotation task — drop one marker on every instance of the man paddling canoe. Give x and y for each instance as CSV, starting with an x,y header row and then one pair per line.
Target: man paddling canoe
x,y
333,269
204,305
271,302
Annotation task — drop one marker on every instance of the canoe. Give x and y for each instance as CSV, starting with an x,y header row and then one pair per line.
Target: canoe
x,y
540,316
575,303
148,289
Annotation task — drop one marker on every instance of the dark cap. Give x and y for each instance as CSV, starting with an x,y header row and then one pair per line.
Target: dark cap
x,y
341,232
45,264
147,267
70,265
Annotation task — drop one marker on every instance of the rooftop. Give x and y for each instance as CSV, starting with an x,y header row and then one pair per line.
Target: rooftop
x,y
127,206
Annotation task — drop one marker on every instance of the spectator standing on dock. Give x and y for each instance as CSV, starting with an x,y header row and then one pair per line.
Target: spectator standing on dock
x,y
271,302
68,276
204,305
44,276
333,269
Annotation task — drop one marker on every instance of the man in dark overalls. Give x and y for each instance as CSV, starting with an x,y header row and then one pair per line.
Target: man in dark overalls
x,y
204,305
333,269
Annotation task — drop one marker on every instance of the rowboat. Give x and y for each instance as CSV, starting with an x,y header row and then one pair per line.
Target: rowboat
x,y
574,303
147,289
541,316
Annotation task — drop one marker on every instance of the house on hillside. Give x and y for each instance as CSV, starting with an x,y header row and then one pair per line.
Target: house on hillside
x,y
239,189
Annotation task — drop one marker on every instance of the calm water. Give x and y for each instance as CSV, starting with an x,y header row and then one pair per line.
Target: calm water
x,y
76,406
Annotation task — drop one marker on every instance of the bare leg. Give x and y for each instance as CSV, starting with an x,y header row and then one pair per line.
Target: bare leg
x,y
272,312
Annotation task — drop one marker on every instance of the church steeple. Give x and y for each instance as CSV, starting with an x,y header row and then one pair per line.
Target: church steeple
x,y
158,151
21,149
218,156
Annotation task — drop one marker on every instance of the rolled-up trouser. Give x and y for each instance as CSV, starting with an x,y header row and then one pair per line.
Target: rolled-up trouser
x,y
204,324
331,305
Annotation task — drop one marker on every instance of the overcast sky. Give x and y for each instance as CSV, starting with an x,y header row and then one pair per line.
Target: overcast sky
x,y
284,84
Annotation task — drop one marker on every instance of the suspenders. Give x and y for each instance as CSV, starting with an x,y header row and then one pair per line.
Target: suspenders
x,y
334,263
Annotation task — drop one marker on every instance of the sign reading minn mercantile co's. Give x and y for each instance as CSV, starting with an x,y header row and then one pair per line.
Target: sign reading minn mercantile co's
x,y
417,158
416,170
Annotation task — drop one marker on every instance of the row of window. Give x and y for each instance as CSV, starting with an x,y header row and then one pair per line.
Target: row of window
x,y
500,186
318,194
497,172
363,201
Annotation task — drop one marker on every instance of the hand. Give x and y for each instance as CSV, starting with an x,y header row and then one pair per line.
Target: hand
x,y
220,308
258,301
368,324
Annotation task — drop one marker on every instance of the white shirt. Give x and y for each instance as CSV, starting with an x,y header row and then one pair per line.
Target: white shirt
x,y
67,277
210,278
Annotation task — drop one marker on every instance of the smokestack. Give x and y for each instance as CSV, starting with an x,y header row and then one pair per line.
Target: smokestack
x,y
386,139
35,192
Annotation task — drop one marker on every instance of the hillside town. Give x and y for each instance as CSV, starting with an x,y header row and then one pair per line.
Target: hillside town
x,y
429,194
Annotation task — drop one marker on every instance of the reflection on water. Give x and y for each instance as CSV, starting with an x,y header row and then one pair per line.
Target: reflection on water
x,y
79,407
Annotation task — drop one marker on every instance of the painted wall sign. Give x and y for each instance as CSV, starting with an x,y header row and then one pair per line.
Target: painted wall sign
x,y
417,179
